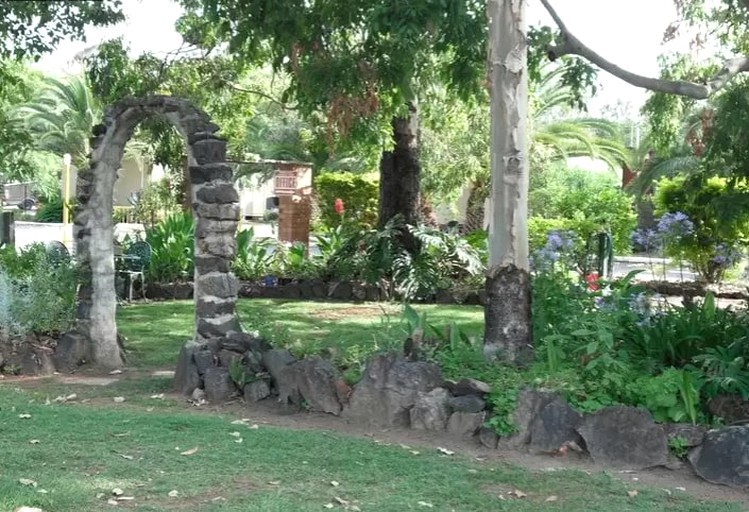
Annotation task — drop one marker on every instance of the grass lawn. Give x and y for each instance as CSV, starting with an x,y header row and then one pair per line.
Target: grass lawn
x,y
168,456
157,331
70,457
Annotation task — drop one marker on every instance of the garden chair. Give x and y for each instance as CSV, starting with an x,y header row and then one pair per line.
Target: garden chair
x,y
134,262
57,253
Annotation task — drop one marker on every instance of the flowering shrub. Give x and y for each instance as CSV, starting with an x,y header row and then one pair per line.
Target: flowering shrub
x,y
358,193
693,229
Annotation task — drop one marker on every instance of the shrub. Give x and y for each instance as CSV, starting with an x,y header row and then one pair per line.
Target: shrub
x,y
359,195
37,292
694,229
172,244
158,201
255,257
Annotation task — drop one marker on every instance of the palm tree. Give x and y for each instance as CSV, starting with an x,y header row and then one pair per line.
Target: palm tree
x,y
61,116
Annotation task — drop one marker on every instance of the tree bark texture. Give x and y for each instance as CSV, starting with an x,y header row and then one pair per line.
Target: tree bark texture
x,y
508,314
400,172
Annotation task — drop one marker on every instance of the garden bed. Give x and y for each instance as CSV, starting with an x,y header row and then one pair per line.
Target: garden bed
x,y
349,291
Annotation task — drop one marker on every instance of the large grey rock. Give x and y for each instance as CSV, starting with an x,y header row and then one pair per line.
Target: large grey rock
x,y
430,411
470,387
218,385
467,403
257,390
554,426
227,357
71,352
723,457
204,358
312,380
488,438
530,402
243,341
389,388
186,375
624,436
275,361
465,424
30,360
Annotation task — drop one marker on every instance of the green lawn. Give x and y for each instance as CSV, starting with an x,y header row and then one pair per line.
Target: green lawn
x,y
156,331
75,452
70,456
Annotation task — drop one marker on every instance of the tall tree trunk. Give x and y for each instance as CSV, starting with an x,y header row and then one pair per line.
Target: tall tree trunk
x,y
508,333
400,174
475,206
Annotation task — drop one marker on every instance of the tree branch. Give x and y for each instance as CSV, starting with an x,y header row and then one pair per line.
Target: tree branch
x,y
262,94
571,45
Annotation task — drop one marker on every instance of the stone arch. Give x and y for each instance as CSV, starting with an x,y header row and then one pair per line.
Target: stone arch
x,y
215,205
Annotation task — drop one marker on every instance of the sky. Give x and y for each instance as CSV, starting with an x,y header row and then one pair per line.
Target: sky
x,y
628,33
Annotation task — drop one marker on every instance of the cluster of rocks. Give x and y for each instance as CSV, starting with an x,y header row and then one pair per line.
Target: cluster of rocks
x,y
395,391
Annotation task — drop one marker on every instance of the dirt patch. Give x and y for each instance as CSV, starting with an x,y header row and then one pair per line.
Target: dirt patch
x,y
355,311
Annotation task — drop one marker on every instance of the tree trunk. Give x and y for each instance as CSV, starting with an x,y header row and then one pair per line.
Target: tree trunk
x,y
508,333
400,173
475,207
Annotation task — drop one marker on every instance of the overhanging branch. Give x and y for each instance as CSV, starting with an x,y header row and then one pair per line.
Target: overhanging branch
x,y
571,45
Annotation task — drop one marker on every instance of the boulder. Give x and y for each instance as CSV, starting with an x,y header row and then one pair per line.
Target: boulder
x,y
530,402
554,426
257,390
389,388
275,361
218,385
227,357
465,424
624,436
467,403
312,380
186,375
254,362
722,457
71,352
30,359
470,387
488,438
243,341
430,411
732,408
204,358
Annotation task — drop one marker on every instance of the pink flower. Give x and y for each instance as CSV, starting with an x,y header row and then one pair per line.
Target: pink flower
x,y
592,280
338,206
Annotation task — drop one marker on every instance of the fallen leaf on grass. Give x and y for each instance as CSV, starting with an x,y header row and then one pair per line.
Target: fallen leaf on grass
x,y
24,416
117,492
328,505
235,434
34,441
551,498
27,482
173,494
274,482
415,452
43,491
445,451
254,427
118,399
112,501
425,504
192,451
632,494
125,498
28,509
128,457
517,493
680,488
341,501
115,372
334,483
160,396
123,434
238,441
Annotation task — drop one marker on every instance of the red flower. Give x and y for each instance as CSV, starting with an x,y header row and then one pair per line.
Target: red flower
x,y
592,280
339,209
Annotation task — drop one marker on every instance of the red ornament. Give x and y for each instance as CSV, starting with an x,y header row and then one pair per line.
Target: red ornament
x,y
338,206
592,280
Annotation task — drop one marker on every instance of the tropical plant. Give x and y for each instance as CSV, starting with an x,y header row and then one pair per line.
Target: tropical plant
x,y
172,244
255,257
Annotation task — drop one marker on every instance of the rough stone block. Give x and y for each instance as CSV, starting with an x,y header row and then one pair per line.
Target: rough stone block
x,y
470,387
218,385
223,286
218,194
430,411
217,211
210,309
722,457
209,151
467,403
217,330
256,391
71,351
208,264
186,376
465,424
206,227
216,245
554,426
